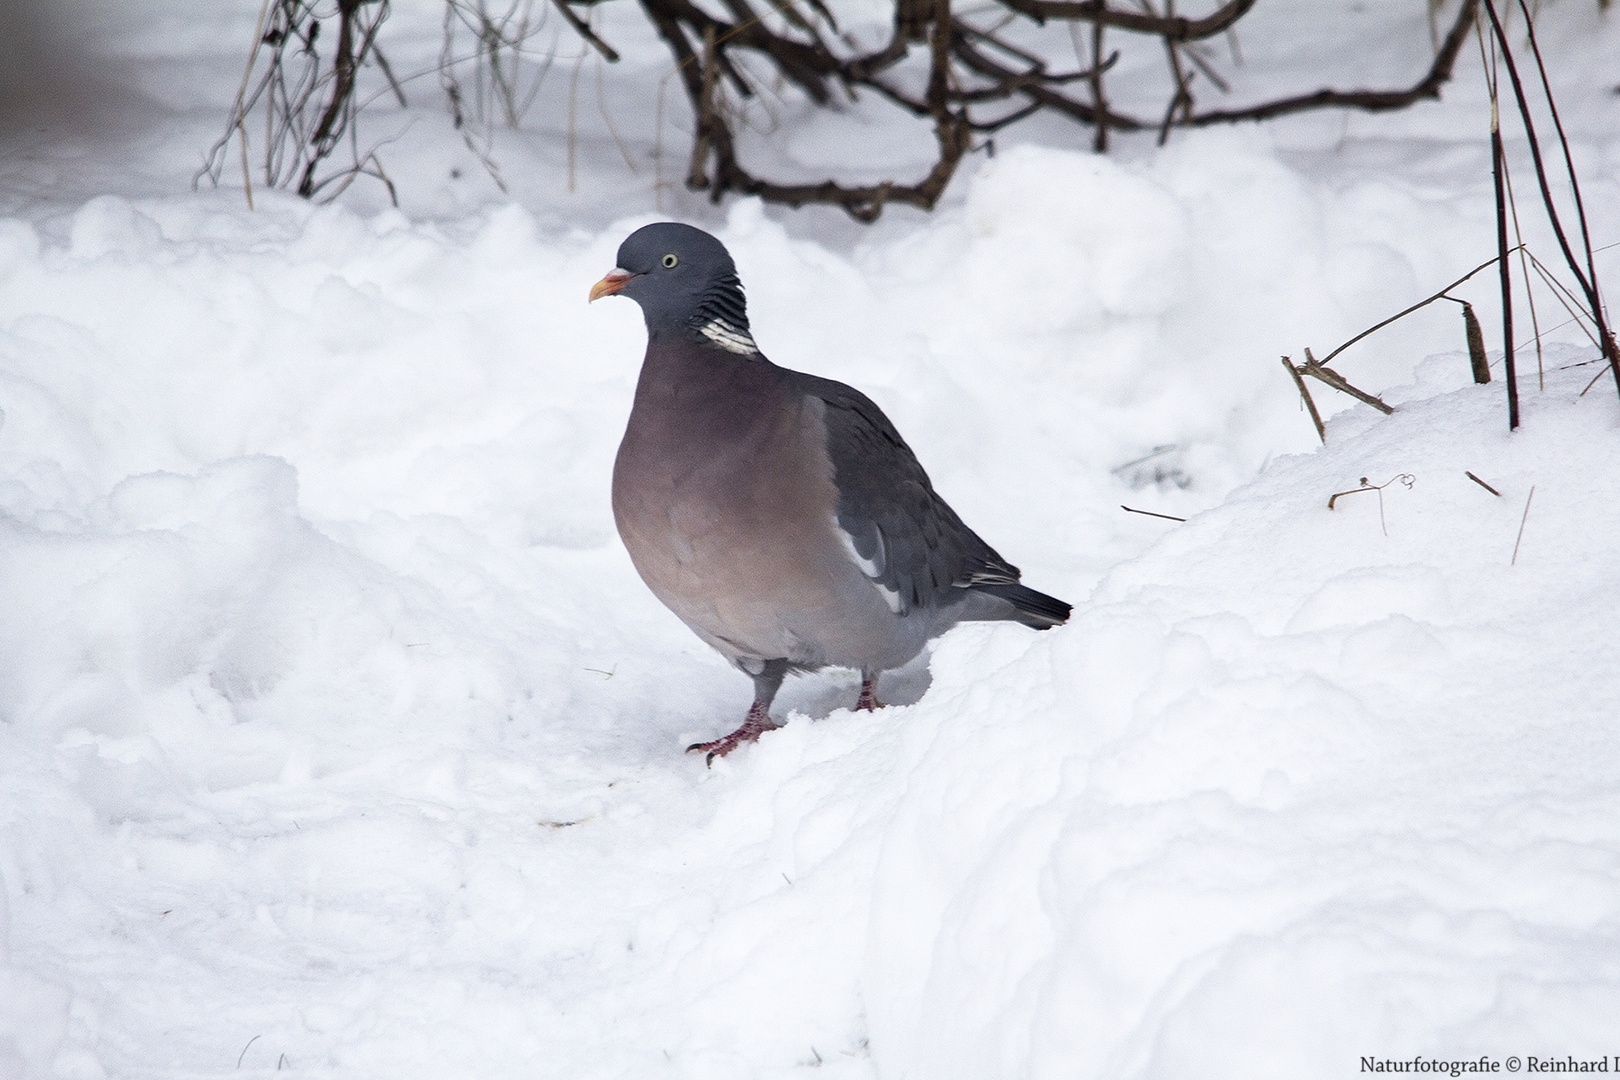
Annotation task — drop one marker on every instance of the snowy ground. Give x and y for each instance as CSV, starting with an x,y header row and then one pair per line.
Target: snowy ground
x,y
338,736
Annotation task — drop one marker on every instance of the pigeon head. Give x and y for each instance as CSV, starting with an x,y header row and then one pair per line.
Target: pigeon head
x,y
683,278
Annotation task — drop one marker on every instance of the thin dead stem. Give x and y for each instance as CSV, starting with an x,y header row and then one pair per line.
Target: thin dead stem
x,y
306,91
1305,396
1524,518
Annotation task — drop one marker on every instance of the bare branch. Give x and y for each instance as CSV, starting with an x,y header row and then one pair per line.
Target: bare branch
x,y
583,29
1368,100
1171,28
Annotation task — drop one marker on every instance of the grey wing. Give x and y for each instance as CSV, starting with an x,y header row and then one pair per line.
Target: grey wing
x,y
904,536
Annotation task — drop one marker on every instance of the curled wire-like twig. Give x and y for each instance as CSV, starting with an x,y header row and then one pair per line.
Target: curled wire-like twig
x,y
1406,480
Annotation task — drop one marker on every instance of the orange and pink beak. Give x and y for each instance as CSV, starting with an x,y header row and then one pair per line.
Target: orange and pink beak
x,y
615,281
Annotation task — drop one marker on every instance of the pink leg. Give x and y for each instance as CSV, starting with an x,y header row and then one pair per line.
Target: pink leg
x,y
868,699
758,722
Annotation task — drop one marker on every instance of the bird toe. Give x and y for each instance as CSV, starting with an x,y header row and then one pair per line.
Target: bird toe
x,y
757,724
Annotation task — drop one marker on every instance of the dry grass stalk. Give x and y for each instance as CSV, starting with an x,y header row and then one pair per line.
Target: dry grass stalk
x,y
1585,275
1523,518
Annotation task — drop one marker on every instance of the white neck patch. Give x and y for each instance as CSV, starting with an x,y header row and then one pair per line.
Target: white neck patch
x,y
728,337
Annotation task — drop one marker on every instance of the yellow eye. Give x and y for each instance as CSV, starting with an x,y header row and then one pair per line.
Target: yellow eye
x,y
670,261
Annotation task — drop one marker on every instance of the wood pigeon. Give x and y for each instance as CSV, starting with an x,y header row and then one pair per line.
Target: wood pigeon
x,y
780,515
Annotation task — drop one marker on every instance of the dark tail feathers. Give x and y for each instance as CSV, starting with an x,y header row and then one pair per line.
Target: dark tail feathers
x,y
1031,608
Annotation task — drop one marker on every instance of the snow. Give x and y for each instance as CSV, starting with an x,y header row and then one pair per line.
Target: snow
x,y
1356,807
339,735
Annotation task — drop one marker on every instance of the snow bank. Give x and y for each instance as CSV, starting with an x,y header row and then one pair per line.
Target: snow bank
x,y
1289,790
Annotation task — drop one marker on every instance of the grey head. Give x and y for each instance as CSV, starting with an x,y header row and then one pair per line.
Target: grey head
x,y
685,281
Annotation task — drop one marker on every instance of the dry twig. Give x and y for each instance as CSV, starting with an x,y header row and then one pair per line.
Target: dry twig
x,y
1149,513
307,96
1323,373
1305,395
1524,518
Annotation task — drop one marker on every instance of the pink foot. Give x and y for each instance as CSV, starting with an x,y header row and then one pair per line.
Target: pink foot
x,y
868,699
758,722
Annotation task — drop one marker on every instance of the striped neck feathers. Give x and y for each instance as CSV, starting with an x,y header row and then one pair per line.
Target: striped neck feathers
x,y
721,316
